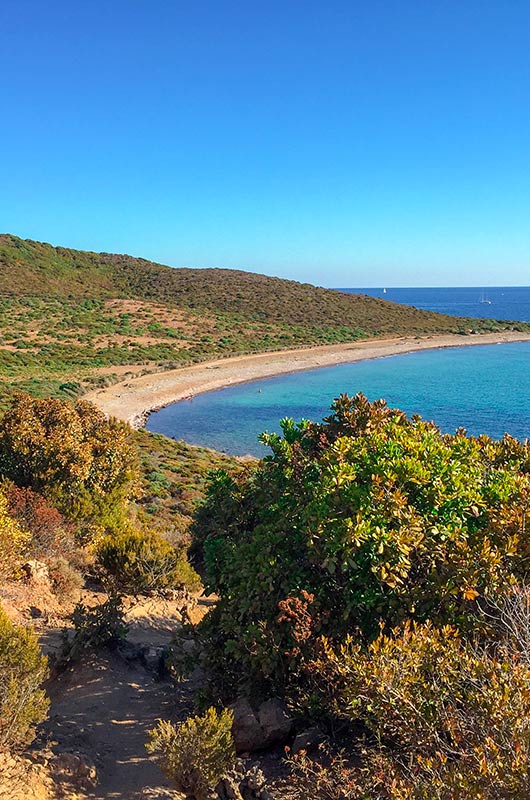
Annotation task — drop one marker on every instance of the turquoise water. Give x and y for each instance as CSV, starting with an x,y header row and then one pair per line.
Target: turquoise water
x,y
485,388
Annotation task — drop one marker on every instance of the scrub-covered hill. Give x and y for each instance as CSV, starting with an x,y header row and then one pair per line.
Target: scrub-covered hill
x,y
71,319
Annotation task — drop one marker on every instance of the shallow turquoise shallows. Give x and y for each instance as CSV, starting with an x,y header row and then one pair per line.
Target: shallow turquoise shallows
x,y
485,388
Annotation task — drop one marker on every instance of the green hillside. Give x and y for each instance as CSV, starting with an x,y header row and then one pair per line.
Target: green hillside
x,y
71,319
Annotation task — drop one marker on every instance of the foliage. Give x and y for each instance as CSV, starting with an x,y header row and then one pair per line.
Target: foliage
x,y
51,535
82,462
94,627
173,480
13,542
23,668
144,561
330,776
379,518
197,752
451,719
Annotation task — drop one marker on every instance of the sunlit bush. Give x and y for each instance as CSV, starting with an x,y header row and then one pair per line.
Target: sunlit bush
x,y
197,752
448,715
378,517
141,562
23,668
13,542
82,462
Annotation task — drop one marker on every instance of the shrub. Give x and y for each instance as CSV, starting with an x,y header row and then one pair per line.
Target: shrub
x,y
378,517
66,581
93,628
82,462
13,542
141,562
197,752
329,776
23,668
447,715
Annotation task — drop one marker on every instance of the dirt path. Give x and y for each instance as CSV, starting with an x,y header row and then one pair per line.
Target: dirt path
x,y
103,710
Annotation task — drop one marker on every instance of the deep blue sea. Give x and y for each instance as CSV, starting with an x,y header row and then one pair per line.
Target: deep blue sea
x,y
485,388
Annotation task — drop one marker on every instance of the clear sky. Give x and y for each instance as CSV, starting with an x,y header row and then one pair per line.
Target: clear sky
x,y
346,143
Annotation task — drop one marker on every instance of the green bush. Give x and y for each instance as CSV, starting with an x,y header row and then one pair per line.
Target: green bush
x,y
376,517
23,668
142,562
195,753
101,626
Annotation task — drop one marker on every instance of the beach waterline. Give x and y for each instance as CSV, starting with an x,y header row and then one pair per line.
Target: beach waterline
x,y
133,400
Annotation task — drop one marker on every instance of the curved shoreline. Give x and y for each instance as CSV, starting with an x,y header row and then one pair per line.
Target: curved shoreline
x,y
133,400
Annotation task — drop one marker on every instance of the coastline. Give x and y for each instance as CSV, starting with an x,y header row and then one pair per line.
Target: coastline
x,y
133,400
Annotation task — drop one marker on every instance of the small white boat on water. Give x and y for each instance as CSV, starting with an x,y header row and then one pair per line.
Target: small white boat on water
x,y
484,299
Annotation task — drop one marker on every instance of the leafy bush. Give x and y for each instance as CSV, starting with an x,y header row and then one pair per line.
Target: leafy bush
x,y
453,719
101,626
82,462
197,752
330,776
13,542
23,668
379,518
141,562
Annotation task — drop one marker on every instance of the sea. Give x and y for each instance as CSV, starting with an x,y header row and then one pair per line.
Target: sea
x,y
485,388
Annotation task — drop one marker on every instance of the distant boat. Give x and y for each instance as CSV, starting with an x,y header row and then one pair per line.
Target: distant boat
x,y
484,299
384,291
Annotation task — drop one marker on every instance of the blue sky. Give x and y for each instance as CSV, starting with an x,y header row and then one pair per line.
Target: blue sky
x,y
342,143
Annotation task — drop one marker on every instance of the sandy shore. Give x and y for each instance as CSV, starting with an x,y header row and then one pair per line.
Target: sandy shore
x,y
133,400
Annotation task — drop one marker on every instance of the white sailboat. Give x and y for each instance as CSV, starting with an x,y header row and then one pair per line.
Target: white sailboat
x,y
484,299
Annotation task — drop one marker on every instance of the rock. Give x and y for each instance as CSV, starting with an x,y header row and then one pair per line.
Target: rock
x,y
228,789
152,658
307,740
190,647
271,725
75,769
242,784
156,794
275,721
36,570
130,651
246,730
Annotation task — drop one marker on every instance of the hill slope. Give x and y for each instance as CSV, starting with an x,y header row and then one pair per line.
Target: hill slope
x,y
70,319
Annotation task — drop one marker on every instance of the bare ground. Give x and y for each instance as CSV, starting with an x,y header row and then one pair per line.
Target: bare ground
x,y
103,708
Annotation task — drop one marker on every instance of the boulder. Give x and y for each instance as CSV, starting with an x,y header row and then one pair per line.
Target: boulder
x,y
36,571
242,784
246,730
153,658
307,740
228,789
275,721
271,725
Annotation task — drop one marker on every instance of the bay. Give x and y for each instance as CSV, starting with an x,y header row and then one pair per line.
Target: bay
x,y
484,388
